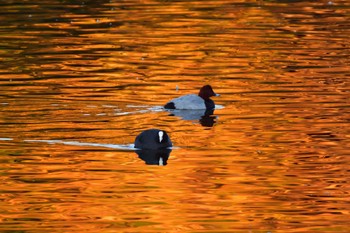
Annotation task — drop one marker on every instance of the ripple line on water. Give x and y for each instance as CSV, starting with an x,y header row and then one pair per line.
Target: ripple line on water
x,y
76,143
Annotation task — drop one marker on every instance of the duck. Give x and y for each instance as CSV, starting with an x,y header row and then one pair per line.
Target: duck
x,y
194,102
153,139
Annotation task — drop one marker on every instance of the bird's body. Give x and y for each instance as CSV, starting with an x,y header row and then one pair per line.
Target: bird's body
x,y
194,102
153,139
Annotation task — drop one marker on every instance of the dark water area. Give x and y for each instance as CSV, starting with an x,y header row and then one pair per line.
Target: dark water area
x,y
79,80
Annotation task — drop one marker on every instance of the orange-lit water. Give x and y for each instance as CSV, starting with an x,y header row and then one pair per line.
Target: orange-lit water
x,y
79,80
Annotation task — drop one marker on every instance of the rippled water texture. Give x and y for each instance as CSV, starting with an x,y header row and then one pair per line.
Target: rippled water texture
x,y
80,79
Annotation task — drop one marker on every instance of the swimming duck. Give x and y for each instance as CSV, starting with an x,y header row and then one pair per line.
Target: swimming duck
x,y
153,139
192,101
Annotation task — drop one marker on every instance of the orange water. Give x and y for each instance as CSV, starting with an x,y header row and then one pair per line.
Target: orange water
x,y
79,80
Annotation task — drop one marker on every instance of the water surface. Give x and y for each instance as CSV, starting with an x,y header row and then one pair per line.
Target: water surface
x,y
80,79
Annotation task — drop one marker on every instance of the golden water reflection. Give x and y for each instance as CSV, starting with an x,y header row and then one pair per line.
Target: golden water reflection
x,y
79,80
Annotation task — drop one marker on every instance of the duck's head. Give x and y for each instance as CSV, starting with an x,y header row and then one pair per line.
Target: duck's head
x,y
206,92
162,137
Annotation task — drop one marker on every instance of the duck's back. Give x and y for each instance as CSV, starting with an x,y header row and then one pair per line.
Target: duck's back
x,y
191,101
149,139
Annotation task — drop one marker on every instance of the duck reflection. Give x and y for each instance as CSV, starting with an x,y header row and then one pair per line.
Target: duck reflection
x,y
154,157
204,116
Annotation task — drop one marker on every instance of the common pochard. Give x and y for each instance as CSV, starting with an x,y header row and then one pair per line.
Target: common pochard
x,y
192,101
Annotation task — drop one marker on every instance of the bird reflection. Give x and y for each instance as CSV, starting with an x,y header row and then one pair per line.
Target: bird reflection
x,y
205,117
154,157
